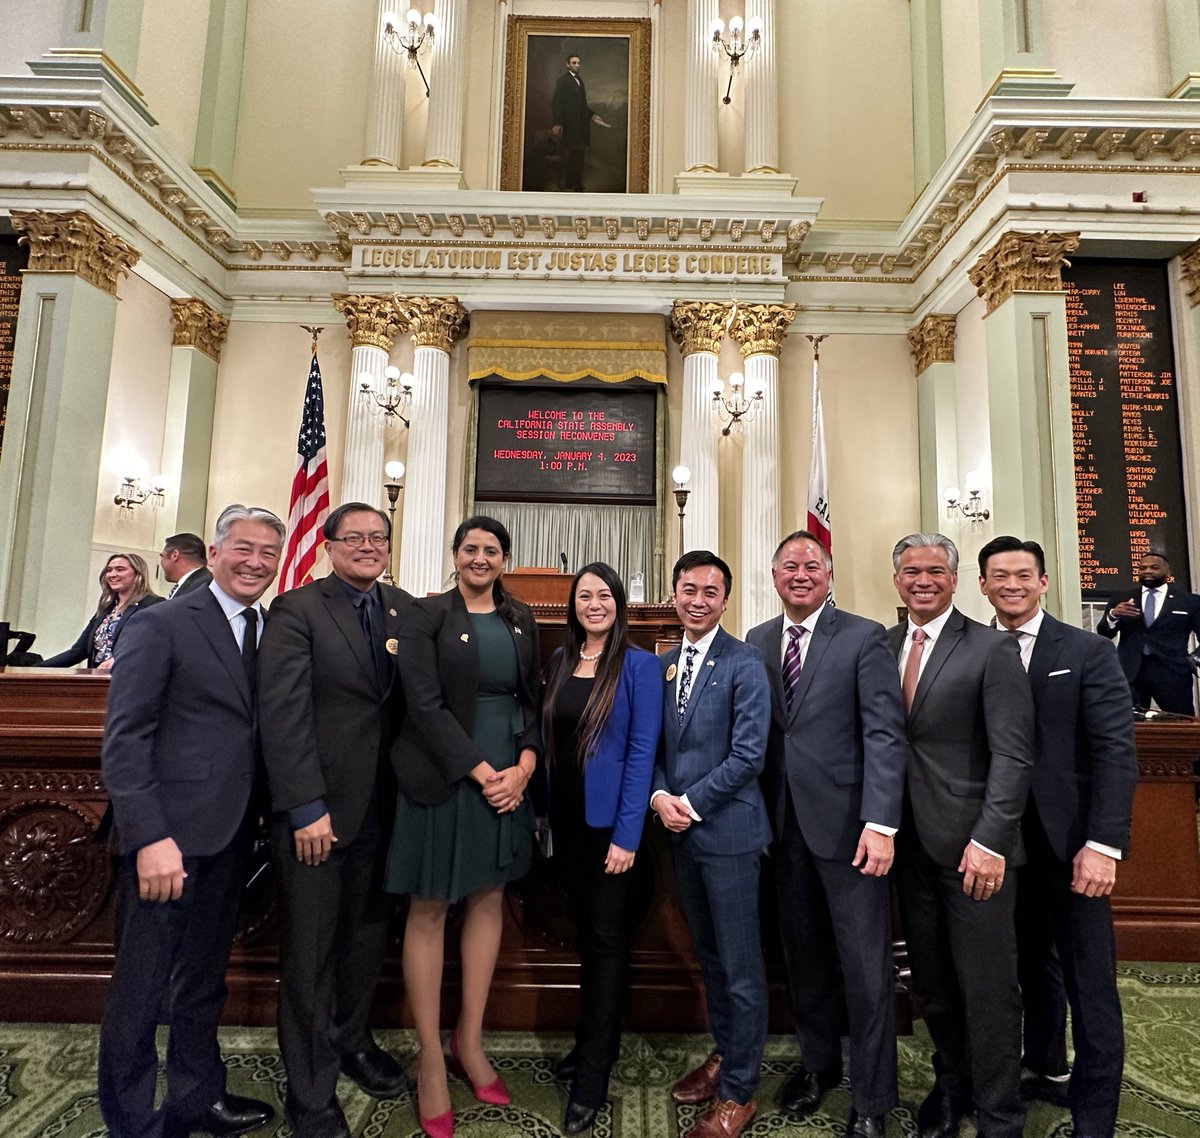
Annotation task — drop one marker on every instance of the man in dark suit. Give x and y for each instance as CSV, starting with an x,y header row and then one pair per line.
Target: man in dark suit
x,y
573,120
1153,627
183,564
834,783
1076,829
179,759
716,712
970,743
330,703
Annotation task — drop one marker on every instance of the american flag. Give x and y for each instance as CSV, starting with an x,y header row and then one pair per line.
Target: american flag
x,y
818,520
309,500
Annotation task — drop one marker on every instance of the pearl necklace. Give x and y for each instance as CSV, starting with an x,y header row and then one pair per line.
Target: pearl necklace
x,y
594,656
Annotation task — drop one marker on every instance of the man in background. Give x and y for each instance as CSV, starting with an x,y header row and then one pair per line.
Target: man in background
x,y
183,564
573,121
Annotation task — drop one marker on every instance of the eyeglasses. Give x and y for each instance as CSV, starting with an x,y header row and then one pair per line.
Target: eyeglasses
x,y
378,540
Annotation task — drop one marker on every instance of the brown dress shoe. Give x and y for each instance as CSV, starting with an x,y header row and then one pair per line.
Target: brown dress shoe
x,y
699,1085
726,1119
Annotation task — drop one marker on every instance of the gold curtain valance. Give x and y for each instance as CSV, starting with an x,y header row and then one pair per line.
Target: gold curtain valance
x,y
568,345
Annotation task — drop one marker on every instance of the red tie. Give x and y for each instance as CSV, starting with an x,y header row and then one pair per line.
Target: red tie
x,y
912,666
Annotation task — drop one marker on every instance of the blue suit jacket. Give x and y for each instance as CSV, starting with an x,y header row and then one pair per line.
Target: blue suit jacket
x,y
1166,638
716,755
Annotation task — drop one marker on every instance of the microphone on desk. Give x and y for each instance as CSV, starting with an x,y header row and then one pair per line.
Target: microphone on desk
x,y
563,558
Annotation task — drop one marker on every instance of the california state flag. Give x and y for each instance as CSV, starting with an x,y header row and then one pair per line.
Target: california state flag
x,y
818,472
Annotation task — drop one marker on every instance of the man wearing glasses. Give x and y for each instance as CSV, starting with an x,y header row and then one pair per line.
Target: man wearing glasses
x,y
329,703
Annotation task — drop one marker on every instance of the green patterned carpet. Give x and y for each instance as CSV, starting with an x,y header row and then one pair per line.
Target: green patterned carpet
x,y
47,1079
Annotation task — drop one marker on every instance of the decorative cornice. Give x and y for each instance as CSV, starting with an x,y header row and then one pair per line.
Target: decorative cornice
x,y
370,320
196,325
74,243
699,325
932,341
1022,262
760,329
1189,263
434,321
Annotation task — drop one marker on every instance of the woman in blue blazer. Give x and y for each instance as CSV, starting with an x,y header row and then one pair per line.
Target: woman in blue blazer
x,y
601,713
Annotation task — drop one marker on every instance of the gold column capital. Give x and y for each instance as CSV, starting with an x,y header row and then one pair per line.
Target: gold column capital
x,y
434,321
932,341
196,325
1189,261
760,329
371,320
74,243
699,325
1022,262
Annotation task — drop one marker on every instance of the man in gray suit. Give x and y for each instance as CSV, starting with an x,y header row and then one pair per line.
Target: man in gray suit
x,y
833,782
716,711
970,739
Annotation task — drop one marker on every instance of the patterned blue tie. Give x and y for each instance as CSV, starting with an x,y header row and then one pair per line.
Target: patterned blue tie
x,y
685,681
1148,608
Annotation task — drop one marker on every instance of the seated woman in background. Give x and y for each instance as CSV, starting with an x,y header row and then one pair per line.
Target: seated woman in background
x,y
601,714
124,589
465,755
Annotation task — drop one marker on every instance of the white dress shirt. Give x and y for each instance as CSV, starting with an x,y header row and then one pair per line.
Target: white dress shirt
x,y
233,610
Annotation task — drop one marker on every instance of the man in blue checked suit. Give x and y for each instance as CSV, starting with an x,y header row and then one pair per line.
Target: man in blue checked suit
x,y
716,715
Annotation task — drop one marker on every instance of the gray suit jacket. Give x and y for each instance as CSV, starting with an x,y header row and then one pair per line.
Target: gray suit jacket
x,y
970,742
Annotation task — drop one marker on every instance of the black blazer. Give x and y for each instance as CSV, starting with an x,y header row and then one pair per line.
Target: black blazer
x,y
324,718
83,648
569,109
198,580
439,667
1085,765
179,742
1166,638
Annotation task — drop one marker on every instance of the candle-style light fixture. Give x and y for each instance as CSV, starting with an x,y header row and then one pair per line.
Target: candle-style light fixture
x,y
681,475
742,404
973,508
133,494
394,471
741,42
411,38
394,399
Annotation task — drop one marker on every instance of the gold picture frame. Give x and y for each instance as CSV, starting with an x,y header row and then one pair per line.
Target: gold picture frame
x,y
615,66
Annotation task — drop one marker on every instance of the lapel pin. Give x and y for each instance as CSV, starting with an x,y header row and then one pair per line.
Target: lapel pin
x,y
671,673
517,631
710,664
393,646
465,638
391,612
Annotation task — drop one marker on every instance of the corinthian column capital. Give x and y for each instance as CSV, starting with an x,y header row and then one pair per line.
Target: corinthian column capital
x,y
74,243
1022,262
371,320
196,325
760,329
932,341
434,321
699,325
1190,263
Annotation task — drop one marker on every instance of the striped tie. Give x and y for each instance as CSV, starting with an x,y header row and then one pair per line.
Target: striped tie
x,y
792,661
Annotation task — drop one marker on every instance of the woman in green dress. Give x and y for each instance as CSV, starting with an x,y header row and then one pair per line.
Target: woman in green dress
x,y
464,827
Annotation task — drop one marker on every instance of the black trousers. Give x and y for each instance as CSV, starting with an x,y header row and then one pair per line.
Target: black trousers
x,y
1066,945
335,921
964,968
1170,688
170,954
601,904
835,922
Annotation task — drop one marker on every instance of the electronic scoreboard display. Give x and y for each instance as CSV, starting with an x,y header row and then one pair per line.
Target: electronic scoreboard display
x,y
566,442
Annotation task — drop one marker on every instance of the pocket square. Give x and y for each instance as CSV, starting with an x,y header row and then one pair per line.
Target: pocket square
x,y
1179,612
1060,672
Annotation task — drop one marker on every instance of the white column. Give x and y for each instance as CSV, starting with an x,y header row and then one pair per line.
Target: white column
x,y
761,518
362,455
447,78
762,118
700,89
385,104
423,558
698,435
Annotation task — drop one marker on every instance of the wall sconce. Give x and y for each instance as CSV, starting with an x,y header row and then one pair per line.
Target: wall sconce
x,y
132,493
741,43
394,471
682,475
396,397
743,403
972,509
411,38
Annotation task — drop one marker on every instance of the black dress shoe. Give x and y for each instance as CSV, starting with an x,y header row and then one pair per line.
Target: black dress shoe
x,y
375,1072
564,1069
1045,1087
229,1115
865,1125
578,1117
803,1092
937,1117
325,1122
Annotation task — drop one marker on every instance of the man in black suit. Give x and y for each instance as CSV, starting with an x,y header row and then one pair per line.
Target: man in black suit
x,y
834,783
1076,829
970,743
573,120
330,703
179,760
183,564
1154,626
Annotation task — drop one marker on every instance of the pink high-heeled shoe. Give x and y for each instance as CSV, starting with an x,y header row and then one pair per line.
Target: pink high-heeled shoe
x,y
494,1093
441,1125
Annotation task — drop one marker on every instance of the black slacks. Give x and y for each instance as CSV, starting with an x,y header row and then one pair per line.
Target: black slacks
x,y
1169,687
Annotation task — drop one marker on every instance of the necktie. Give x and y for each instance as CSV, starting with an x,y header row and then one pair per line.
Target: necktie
x,y
912,666
174,589
369,619
792,661
250,647
1148,608
1019,637
685,682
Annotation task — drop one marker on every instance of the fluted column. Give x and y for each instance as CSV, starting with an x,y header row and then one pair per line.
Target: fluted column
x,y
760,331
372,322
932,344
435,323
698,326
447,79
385,104
762,98
700,90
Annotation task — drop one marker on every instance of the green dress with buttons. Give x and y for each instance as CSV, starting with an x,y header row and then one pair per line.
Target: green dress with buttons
x,y
462,845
